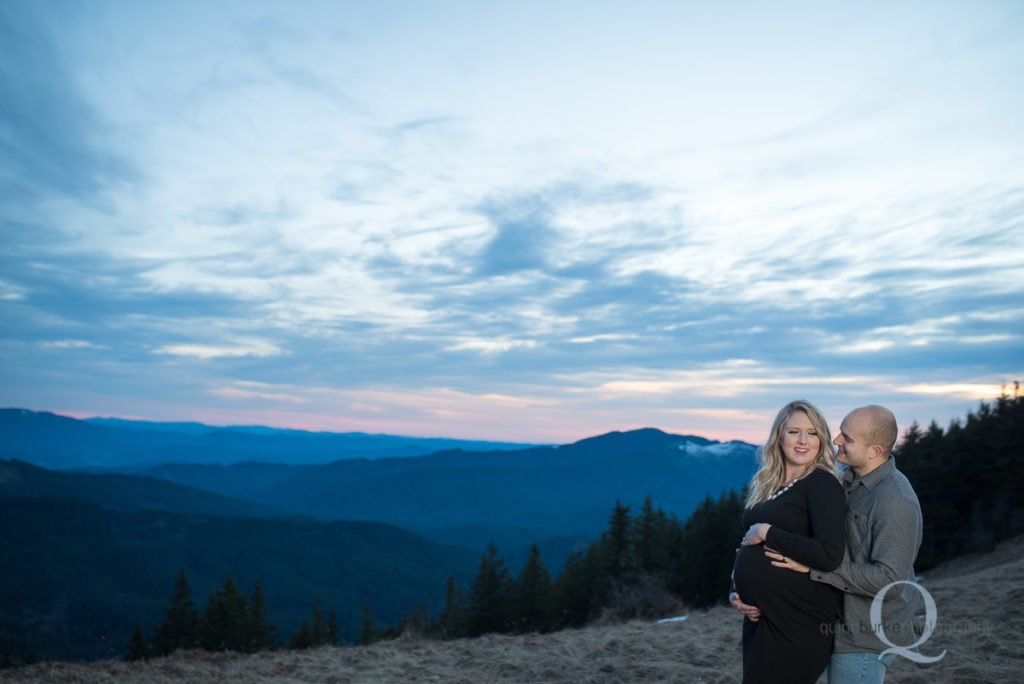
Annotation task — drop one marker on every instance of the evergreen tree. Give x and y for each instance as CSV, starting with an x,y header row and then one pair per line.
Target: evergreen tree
x,y
180,627
530,607
368,633
423,620
332,627
319,628
487,595
949,468
575,589
652,539
303,637
708,550
225,625
452,622
621,563
417,623
315,631
260,631
137,647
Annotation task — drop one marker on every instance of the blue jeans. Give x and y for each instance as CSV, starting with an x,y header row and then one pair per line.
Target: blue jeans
x,y
857,668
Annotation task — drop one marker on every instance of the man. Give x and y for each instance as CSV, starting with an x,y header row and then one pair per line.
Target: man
x,y
883,534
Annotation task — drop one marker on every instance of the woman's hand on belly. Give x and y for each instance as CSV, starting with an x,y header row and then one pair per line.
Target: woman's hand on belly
x,y
752,613
756,534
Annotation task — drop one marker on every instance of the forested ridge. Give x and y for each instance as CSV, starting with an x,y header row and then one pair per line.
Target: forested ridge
x,y
969,479
75,578
645,565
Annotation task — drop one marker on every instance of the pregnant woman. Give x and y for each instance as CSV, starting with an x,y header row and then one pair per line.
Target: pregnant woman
x,y
795,506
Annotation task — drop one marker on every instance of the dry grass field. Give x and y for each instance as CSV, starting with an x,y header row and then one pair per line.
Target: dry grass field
x,y
979,600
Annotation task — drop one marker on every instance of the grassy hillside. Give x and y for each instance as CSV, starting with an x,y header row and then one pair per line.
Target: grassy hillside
x,y
977,599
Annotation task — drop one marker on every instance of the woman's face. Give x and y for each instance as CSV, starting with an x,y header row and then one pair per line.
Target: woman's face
x,y
800,441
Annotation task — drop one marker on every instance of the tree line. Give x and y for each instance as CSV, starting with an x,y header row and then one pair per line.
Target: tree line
x,y
644,565
969,479
231,621
647,565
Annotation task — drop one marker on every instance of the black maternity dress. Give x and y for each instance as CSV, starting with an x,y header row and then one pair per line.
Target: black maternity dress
x,y
792,641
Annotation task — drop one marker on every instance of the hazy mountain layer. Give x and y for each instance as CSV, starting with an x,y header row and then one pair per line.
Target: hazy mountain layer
x,y
121,492
510,496
54,441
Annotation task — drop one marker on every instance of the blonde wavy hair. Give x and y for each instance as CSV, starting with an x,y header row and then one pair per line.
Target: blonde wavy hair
x,y
771,475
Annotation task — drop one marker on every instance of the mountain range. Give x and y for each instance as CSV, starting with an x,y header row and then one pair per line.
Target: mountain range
x,y
55,441
511,497
555,496
98,541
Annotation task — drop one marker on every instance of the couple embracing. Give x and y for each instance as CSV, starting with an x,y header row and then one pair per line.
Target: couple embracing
x,y
822,540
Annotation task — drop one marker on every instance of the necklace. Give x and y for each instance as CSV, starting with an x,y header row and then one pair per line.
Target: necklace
x,y
784,489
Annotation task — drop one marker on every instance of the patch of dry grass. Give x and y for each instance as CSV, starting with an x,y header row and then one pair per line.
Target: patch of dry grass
x,y
979,599
691,651
980,625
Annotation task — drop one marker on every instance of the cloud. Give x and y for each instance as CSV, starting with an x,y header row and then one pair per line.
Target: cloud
x,y
520,241
207,196
70,344
106,301
970,328
600,338
52,139
976,391
257,390
490,346
732,378
205,352
11,292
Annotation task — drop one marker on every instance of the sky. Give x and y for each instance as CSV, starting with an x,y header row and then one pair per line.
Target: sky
x,y
522,221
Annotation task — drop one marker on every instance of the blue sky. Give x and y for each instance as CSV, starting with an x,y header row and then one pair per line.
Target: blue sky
x,y
519,221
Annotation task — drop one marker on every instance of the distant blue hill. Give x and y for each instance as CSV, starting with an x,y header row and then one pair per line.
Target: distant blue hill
x,y
55,441
512,497
122,492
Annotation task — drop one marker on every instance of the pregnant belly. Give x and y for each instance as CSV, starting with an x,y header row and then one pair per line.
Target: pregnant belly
x,y
756,579
781,592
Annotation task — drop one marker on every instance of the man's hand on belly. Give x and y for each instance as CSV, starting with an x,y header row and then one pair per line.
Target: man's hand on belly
x,y
780,561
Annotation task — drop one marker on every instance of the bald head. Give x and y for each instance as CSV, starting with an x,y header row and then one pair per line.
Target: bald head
x,y
878,425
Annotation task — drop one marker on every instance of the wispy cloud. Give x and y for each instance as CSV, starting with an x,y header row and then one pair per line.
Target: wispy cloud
x,y
257,390
70,344
206,352
53,140
977,391
490,346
